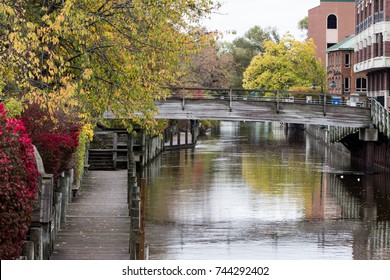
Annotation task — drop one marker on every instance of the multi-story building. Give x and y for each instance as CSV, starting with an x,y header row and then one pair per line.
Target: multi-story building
x,y
341,78
329,23
372,46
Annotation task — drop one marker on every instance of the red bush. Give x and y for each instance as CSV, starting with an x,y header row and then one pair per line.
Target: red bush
x,y
18,185
55,137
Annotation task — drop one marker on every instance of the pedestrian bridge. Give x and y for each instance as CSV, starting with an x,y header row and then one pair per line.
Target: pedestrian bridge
x,y
259,105
286,107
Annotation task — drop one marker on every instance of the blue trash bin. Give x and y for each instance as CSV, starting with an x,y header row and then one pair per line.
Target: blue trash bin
x,y
336,100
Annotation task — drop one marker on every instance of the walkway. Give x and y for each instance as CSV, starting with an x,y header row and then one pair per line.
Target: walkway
x,y
97,224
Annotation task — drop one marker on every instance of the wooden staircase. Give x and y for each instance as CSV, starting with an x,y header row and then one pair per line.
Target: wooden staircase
x,y
108,150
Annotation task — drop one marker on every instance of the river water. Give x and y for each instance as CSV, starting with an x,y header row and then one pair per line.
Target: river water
x,y
260,191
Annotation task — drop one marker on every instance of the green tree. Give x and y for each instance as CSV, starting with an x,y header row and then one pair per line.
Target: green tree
x,y
289,63
303,25
245,48
89,56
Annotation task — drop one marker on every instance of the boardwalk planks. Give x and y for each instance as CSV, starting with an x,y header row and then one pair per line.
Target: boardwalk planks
x,y
97,224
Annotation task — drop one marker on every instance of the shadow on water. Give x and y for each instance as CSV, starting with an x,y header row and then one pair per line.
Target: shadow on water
x,y
259,191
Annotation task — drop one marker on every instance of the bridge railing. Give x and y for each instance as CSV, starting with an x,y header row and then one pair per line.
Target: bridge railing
x,y
380,117
325,99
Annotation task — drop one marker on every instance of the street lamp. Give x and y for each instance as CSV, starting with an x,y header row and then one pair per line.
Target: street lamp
x,y
333,84
339,73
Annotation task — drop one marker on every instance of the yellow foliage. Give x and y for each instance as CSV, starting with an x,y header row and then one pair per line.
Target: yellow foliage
x,y
285,64
88,56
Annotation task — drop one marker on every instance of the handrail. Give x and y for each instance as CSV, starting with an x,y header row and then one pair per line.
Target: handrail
x,y
262,95
380,117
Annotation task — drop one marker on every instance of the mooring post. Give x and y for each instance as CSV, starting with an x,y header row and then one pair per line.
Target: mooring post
x,y
131,179
230,99
183,101
134,205
186,137
132,196
324,103
141,253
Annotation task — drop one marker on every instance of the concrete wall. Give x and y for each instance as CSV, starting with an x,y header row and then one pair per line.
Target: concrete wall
x,y
322,133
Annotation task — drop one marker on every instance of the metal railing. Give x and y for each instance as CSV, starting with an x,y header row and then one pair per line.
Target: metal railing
x,y
278,97
380,117
337,133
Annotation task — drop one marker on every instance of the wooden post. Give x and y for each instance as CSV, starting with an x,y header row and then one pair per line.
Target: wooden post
x,y
58,206
230,99
64,187
324,103
70,174
133,199
142,220
277,102
131,178
183,101
193,132
114,148
171,137
28,250
36,237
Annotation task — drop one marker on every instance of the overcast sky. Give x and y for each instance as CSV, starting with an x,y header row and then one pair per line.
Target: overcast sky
x,y
241,15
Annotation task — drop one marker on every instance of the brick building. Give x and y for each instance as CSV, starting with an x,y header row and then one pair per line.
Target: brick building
x,y
372,46
329,23
341,59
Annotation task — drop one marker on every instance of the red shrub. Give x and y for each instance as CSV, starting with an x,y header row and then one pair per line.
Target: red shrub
x,y
18,185
55,137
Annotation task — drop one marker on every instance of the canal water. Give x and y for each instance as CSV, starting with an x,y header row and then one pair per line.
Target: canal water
x,y
260,191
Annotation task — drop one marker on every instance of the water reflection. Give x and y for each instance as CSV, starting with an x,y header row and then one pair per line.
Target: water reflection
x,y
259,191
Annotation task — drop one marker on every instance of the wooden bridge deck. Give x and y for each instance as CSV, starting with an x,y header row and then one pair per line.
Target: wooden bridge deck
x,y
246,110
97,224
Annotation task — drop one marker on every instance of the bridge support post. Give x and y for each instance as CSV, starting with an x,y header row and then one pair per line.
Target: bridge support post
x,y
368,136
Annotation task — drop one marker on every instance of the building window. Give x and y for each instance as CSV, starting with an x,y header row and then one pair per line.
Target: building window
x,y
347,60
361,84
332,22
330,45
347,85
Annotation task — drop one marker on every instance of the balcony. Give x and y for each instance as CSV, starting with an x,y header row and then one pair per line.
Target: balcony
x,y
360,27
378,16
372,64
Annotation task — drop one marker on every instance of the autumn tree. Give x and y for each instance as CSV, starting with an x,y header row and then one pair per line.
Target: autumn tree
x,y
244,48
289,63
213,67
89,56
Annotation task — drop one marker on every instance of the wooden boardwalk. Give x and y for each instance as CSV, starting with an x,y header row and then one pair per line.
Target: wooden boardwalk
x,y
97,224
